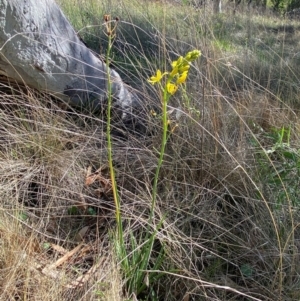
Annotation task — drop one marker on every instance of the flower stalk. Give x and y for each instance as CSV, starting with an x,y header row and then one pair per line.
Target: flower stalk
x,y
175,78
111,34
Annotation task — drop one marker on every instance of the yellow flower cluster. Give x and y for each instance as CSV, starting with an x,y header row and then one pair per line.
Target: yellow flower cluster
x,y
179,73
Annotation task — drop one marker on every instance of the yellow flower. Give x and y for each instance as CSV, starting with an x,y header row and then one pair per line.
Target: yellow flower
x,y
182,78
171,88
178,74
156,78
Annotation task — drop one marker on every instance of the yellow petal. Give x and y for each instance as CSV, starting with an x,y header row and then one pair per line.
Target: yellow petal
x,y
156,78
171,88
182,78
151,80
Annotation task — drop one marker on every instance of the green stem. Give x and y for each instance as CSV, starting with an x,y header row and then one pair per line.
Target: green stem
x,y
165,99
109,147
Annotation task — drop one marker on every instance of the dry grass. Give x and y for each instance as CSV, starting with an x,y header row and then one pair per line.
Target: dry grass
x,y
225,233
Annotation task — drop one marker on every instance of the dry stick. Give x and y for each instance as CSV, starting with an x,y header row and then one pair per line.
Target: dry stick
x,y
61,260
